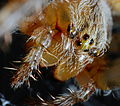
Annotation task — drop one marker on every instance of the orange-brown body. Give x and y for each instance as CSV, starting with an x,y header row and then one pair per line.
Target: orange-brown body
x,y
68,35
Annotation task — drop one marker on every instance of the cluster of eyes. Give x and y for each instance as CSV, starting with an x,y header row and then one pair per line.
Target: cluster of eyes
x,y
91,51
85,38
78,42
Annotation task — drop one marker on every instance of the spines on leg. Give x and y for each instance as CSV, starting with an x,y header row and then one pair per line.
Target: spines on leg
x,y
40,42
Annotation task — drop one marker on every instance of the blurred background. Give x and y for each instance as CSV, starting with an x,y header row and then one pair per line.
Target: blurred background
x,y
12,49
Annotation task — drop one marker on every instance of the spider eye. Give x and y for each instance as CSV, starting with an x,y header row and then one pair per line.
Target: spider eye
x,y
86,50
72,31
93,52
68,29
86,36
78,43
73,34
91,41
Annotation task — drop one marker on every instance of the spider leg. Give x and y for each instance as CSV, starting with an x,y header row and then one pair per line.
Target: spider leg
x,y
75,96
33,58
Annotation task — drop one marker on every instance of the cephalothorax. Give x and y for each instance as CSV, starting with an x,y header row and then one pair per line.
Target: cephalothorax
x,y
67,34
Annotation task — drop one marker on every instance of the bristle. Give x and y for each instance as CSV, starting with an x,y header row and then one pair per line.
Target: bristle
x,y
33,77
44,102
40,98
21,76
75,96
17,61
9,68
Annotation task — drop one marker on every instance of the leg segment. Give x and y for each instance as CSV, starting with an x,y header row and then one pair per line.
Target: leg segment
x,y
41,40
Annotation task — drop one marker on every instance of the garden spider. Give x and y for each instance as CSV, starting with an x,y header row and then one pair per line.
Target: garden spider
x,y
70,35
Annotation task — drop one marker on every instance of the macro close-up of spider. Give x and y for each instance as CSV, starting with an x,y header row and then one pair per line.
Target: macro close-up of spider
x,y
60,52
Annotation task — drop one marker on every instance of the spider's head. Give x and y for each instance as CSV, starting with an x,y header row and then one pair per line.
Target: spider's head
x,y
84,43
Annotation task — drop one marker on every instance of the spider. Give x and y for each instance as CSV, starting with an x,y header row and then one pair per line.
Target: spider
x,y
70,35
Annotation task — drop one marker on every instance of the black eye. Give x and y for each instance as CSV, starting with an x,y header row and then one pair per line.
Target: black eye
x,y
91,41
93,52
68,29
86,50
78,43
86,37
73,34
